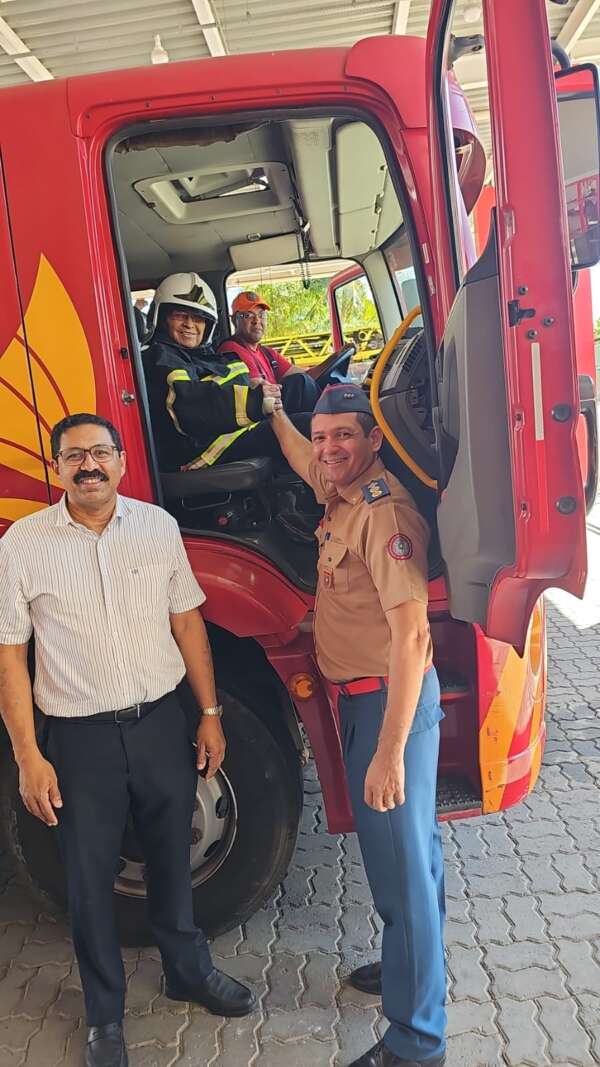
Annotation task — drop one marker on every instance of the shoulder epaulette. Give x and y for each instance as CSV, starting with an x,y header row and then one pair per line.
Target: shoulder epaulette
x,y
375,490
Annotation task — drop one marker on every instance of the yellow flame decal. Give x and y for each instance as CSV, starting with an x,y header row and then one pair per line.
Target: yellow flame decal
x,y
63,378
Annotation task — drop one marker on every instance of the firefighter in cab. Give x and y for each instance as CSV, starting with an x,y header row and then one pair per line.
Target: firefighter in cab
x,y
204,408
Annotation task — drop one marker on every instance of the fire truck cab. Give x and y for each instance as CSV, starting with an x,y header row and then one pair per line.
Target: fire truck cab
x,y
369,153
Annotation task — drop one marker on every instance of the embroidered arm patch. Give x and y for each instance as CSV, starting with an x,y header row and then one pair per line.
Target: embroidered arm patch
x,y
400,546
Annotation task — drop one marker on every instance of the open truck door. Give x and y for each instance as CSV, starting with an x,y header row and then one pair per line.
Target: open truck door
x,y
511,513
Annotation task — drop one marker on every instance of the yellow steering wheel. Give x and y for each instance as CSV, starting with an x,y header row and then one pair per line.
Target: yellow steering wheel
x,y
376,406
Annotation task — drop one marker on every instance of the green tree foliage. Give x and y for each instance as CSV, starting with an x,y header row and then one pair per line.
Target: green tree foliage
x,y
296,310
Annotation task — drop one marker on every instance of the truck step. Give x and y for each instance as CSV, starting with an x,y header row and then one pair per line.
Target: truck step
x,y
456,795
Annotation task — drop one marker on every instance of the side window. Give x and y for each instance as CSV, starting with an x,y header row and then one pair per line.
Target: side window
x,y
359,319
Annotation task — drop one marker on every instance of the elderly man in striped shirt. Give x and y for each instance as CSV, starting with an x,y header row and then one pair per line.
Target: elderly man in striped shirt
x,y
104,584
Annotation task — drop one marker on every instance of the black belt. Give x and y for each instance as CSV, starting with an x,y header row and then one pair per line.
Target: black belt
x,y
134,711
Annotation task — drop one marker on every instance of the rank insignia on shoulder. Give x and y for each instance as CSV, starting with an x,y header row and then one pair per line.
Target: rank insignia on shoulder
x,y
375,490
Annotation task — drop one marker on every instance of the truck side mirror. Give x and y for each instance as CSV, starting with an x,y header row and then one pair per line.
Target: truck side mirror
x,y
578,92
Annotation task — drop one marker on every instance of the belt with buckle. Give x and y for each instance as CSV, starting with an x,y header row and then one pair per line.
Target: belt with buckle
x,y
360,686
134,711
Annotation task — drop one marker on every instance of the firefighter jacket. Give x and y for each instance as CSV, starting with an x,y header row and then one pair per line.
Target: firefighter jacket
x,y
200,403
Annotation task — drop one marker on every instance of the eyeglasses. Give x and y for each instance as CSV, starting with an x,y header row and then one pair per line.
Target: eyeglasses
x,y
74,457
181,316
252,314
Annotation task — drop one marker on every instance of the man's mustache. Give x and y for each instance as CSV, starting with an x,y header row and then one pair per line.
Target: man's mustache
x,y
81,475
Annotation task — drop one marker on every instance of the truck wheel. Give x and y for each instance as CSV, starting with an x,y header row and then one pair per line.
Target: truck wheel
x,y
244,833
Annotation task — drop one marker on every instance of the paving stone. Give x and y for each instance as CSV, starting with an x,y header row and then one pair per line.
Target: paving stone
x,y
48,1046
357,926
162,1027
470,980
298,1054
355,1030
13,989
239,1042
465,1016
200,1041
523,914
568,1041
285,981
18,906
259,932
228,944
518,956
144,986
12,939
468,1050
43,989
326,885
455,883
321,983
528,983
12,1059
582,967
292,1025
15,1033
460,933
247,968
491,923
526,1043
153,1056
573,874
309,929
35,953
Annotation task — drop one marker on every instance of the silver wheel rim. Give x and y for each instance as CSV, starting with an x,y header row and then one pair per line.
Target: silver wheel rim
x,y
214,827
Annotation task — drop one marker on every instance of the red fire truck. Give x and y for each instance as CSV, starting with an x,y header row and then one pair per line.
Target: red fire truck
x,y
370,153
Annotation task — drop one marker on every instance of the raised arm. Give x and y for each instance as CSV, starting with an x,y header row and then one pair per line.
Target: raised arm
x,y
296,449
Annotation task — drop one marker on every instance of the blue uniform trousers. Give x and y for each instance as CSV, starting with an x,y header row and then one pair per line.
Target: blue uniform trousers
x,y
402,853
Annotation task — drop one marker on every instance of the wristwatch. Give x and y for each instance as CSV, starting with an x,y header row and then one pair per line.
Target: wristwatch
x,y
216,710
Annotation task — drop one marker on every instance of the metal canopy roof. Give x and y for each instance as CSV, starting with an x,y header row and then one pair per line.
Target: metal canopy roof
x,y
44,39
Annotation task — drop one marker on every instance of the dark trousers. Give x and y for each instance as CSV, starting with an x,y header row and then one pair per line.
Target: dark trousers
x,y
299,392
105,771
402,853
261,441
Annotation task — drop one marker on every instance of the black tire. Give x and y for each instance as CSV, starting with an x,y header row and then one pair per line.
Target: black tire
x,y
263,775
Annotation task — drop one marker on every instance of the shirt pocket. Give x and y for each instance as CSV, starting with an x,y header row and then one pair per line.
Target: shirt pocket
x,y
334,566
146,589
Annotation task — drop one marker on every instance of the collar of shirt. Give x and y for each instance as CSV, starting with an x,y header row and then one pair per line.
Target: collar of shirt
x,y
64,517
352,493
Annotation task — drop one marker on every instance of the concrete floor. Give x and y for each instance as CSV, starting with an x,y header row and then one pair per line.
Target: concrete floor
x,y
523,931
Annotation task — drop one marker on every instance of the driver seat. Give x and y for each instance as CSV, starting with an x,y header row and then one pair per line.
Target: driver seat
x,y
249,475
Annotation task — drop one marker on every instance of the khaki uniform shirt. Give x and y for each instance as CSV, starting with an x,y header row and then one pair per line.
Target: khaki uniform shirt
x,y
372,558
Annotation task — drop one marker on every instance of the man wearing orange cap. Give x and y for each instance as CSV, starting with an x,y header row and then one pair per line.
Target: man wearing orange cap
x,y
299,392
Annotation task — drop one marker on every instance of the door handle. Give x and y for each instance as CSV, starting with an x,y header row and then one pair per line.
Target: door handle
x,y
588,408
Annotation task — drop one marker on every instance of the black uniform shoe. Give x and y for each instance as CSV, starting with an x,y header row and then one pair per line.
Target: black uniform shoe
x,y
380,1056
367,978
106,1047
219,993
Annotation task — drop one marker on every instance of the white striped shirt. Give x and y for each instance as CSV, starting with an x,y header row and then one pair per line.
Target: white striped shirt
x,y
98,605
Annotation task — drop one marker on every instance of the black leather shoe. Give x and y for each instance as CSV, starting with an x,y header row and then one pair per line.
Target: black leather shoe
x,y
380,1056
367,978
219,993
106,1047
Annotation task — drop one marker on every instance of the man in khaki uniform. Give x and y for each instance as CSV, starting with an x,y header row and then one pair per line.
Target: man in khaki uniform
x,y
373,643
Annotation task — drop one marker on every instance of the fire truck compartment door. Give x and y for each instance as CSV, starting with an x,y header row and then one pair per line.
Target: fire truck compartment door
x,y
512,510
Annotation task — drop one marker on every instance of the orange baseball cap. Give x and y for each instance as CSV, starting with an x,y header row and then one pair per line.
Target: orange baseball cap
x,y
248,301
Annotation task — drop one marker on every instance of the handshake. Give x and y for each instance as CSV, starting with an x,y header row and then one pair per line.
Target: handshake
x,y
272,401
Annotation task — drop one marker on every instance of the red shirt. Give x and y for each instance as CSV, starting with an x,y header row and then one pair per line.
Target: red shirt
x,y
262,361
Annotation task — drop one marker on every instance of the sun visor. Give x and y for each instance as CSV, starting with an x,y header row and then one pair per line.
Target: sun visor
x,y
266,253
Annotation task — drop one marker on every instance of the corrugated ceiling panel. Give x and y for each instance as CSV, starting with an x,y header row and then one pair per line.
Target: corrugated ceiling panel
x,y
258,25
82,36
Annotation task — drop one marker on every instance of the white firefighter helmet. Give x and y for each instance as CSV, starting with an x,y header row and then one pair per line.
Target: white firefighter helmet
x,y
186,290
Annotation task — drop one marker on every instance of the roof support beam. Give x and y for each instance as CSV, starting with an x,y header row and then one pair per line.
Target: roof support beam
x,y
400,17
23,57
210,27
577,23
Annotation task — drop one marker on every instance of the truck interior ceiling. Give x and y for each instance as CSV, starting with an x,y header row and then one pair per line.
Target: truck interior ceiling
x,y
295,188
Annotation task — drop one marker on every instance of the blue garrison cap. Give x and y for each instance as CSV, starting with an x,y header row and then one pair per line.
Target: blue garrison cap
x,y
339,399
